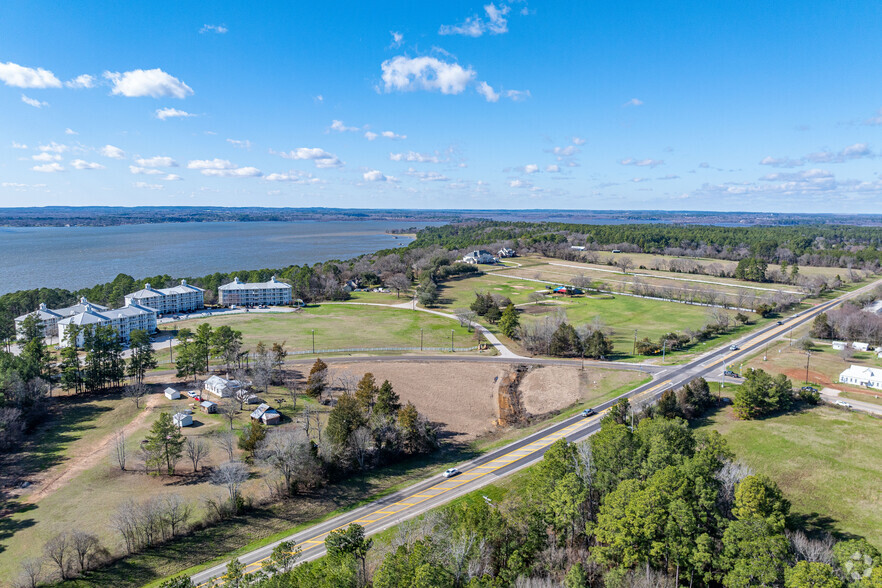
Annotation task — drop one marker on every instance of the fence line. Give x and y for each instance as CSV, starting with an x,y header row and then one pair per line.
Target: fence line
x,y
359,349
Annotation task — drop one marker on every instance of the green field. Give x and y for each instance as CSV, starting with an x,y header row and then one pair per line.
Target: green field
x,y
342,325
827,462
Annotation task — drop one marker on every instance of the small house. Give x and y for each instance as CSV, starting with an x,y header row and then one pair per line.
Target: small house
x,y
253,399
208,407
858,346
266,415
182,419
506,252
839,345
172,394
222,387
479,256
862,376
350,286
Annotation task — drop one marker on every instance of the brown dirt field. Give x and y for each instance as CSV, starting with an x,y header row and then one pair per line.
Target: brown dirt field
x,y
460,396
798,376
551,388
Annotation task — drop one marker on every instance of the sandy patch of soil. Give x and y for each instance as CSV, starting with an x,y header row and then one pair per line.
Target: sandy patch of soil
x,y
459,396
550,388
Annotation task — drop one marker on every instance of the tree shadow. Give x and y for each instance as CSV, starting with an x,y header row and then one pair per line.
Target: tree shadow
x,y
816,525
9,526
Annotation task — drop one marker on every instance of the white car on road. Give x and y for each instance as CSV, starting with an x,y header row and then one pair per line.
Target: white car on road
x,y
843,403
451,472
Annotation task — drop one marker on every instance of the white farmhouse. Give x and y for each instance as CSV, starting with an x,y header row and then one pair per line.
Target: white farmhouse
x,y
271,293
222,387
858,375
479,256
183,298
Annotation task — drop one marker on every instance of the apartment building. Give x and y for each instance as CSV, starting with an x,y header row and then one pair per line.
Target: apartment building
x,y
182,298
49,318
124,320
271,293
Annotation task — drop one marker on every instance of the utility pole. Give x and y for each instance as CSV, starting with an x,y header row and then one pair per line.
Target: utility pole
x,y
313,341
451,340
635,343
170,350
664,348
421,339
808,357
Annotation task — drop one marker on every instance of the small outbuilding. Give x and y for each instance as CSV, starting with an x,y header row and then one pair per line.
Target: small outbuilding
x,y
858,346
266,415
208,407
182,419
253,399
839,345
172,394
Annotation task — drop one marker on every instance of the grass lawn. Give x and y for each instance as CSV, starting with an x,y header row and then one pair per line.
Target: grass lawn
x,y
342,326
827,462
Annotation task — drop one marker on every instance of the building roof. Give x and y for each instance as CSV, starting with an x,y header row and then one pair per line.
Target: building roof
x,y
78,308
42,313
86,317
261,410
170,389
217,380
149,292
859,371
272,284
207,404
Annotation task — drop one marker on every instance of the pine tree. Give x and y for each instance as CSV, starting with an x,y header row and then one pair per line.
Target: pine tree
x,y
71,376
509,321
388,402
165,443
366,393
143,355
318,379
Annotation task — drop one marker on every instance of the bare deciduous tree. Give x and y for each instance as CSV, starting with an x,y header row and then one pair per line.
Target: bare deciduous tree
x,y
230,475
175,512
57,550
808,549
196,449
227,441
135,392
84,547
398,282
729,476
227,409
288,453
31,572
361,441
119,450
624,263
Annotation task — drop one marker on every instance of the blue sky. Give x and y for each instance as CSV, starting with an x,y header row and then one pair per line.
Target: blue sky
x,y
586,105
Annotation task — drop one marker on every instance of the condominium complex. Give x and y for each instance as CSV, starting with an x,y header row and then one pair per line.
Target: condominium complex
x,y
49,318
269,293
183,298
124,320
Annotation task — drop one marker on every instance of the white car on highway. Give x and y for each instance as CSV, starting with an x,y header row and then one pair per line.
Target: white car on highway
x,y
451,472
843,403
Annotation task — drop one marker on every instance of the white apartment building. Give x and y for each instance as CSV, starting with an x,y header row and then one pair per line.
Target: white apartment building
x,y
124,320
49,318
271,293
183,298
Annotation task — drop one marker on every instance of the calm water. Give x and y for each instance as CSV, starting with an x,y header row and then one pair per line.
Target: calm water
x,y
78,257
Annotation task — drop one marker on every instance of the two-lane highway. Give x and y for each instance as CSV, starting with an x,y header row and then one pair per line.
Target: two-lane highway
x,y
433,492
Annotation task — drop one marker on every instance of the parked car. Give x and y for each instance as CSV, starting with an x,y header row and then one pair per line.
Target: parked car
x,y
808,389
192,393
588,412
733,348
451,472
731,374
843,403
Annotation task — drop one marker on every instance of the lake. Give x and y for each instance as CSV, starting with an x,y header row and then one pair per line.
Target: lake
x,y
78,257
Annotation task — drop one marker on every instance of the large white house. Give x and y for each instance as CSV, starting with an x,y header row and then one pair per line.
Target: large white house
x,y
271,293
49,318
479,256
222,387
124,320
183,298
858,375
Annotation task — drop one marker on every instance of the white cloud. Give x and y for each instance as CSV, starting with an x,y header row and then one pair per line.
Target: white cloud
x,y
158,161
53,147
578,141
19,187
393,136
82,164
519,184
69,131
294,176
19,145
642,162
146,186
219,29
425,73
80,82
633,102
376,175
113,152
425,176
370,136
246,144
48,168
475,26
781,162
320,157
337,125
851,152
531,168
567,151
637,180
172,178
397,39
517,95
19,76
223,168
414,156
145,171
319,98
33,102
669,177
44,156
486,90
166,113
553,168
147,82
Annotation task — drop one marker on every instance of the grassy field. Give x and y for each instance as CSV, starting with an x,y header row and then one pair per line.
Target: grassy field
x,y
342,326
827,462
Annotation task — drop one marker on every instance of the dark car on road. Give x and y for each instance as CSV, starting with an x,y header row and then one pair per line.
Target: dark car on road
x,y
588,412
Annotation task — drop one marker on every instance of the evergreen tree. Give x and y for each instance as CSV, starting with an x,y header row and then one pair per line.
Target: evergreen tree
x,y
388,402
821,328
165,443
143,355
597,346
71,374
318,379
366,393
565,342
493,314
509,322
344,418
33,347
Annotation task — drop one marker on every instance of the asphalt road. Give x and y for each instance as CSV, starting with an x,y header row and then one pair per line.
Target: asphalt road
x,y
421,497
